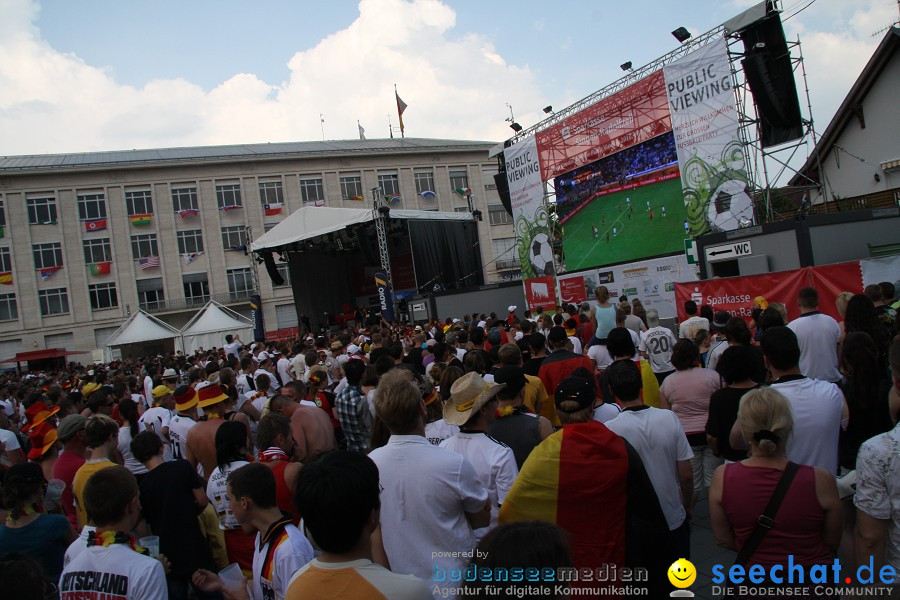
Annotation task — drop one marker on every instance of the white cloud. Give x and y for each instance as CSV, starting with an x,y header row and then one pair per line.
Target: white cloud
x,y
454,84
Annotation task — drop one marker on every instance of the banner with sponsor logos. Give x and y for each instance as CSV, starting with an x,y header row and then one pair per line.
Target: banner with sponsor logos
x,y
628,117
385,296
710,154
737,295
541,291
530,217
651,281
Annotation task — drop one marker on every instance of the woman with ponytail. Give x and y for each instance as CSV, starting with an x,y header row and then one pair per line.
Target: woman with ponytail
x,y
807,523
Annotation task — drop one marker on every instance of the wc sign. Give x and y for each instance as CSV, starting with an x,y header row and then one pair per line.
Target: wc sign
x,y
728,251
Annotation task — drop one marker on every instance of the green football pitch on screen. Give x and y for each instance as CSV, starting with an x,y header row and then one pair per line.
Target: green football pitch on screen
x,y
618,227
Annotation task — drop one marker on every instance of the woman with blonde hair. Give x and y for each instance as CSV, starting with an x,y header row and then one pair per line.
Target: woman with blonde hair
x,y
603,316
807,523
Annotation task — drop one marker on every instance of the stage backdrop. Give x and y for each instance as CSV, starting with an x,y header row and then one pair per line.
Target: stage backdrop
x,y
445,255
710,155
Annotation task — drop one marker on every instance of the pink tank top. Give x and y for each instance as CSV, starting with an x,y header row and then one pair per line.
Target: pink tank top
x,y
798,523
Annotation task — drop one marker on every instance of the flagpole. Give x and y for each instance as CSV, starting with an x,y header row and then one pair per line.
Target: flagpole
x,y
390,126
322,123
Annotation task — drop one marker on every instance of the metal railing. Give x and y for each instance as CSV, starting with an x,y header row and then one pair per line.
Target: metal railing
x,y
177,304
507,263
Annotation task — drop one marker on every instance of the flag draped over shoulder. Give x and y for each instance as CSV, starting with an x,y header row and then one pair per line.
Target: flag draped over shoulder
x,y
577,479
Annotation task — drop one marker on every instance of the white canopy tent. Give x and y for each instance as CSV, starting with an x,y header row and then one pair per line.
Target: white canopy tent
x,y
209,327
312,221
141,335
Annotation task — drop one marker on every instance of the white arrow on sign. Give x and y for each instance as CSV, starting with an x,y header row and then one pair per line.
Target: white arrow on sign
x,y
728,251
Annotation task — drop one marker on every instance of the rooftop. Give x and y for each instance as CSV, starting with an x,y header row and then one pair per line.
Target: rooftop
x,y
10,165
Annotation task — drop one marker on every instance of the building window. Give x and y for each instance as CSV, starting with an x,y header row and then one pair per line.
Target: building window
x,y
269,226
97,251
497,215
389,184
103,295
41,211
8,309
138,202
460,209
351,187
487,175
505,254
312,191
47,255
2,212
459,179
233,236
189,241
424,181
271,192
196,288
228,195
285,273
184,198
143,246
150,294
239,281
5,261
54,302
91,206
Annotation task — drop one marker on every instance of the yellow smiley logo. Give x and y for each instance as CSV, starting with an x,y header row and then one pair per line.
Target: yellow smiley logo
x,y
682,573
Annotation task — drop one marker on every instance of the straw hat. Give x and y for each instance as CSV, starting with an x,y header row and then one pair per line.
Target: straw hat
x,y
468,395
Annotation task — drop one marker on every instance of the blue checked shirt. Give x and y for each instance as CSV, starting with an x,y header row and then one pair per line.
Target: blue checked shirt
x,y
355,418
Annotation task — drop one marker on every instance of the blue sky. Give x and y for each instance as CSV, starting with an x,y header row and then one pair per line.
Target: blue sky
x,y
105,74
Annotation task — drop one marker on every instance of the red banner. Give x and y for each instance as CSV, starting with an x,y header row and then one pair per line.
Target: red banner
x,y
541,291
572,290
737,294
629,117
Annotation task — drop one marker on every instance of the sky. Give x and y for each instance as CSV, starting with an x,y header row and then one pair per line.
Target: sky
x,y
98,75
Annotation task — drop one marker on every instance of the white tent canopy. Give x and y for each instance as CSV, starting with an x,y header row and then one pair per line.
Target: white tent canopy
x,y
209,327
143,329
312,221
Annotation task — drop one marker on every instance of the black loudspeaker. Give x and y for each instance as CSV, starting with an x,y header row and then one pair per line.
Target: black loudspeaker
x,y
503,185
768,69
366,247
271,269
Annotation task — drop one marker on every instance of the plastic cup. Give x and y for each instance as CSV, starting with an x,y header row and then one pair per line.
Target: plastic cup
x,y
151,543
55,489
232,577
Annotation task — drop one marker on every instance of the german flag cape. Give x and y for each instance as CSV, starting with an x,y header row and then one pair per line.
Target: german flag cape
x,y
578,479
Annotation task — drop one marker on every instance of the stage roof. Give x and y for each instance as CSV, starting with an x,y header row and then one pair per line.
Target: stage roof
x,y
312,221
42,354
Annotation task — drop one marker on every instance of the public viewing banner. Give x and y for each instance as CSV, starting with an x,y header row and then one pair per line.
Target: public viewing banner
x,y
526,194
629,117
737,295
710,155
651,281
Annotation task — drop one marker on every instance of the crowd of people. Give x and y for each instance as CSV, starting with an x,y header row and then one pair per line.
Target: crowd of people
x,y
386,461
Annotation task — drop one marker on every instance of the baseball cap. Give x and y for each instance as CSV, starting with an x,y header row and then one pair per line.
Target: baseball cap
x,y
512,376
511,308
557,334
352,349
575,389
262,357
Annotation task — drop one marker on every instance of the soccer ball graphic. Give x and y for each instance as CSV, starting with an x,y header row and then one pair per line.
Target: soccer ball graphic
x,y
729,205
541,254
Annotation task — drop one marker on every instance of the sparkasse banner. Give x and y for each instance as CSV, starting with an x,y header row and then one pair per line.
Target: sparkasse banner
x,y
710,153
526,195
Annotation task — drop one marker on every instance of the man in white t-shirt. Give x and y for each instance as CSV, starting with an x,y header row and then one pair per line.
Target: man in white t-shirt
x,y
818,336
431,498
157,418
690,326
285,370
658,437
473,408
656,346
340,489
184,420
298,364
818,407
280,548
266,367
233,346
113,570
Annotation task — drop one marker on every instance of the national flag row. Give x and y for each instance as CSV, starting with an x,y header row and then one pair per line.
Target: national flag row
x,y
147,219
105,268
